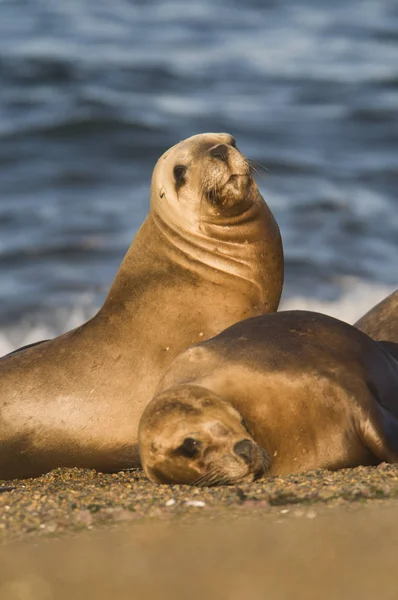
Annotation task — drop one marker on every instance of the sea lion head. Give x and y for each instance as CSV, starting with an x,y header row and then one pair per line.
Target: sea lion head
x,y
190,435
204,177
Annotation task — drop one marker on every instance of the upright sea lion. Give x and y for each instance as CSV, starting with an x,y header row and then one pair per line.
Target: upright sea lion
x,y
274,394
208,255
381,321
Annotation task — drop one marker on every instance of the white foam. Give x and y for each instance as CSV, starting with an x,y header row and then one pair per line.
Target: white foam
x,y
27,332
356,298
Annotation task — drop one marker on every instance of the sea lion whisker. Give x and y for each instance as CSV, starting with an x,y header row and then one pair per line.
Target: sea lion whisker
x,y
211,482
202,479
205,195
265,460
258,168
225,481
253,169
218,478
212,195
208,478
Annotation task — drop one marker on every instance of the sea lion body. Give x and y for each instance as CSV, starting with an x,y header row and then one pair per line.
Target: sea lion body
x,y
208,254
313,392
381,321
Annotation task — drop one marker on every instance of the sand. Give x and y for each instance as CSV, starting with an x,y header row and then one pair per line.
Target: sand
x,y
76,534
71,500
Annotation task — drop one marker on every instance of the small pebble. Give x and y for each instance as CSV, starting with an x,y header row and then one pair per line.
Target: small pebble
x,y
80,499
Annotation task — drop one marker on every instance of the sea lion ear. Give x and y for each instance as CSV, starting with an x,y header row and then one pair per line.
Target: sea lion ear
x,y
162,192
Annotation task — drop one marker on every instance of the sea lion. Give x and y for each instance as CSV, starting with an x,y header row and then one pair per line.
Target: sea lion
x,y
208,255
381,321
274,394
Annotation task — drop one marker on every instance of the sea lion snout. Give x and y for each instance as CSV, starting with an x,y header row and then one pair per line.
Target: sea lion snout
x,y
253,456
245,449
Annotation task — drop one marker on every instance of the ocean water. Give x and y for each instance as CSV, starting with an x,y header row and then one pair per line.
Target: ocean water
x,y
93,91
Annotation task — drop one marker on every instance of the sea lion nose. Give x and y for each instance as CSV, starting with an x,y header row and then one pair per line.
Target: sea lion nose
x,y
220,151
245,449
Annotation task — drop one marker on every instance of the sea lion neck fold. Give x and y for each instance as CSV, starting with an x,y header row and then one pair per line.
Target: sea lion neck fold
x,y
227,224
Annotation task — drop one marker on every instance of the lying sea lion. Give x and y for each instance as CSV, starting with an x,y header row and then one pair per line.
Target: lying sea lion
x,y
381,321
208,255
274,394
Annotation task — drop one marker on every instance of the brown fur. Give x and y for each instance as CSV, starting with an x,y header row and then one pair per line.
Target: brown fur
x,y
314,392
193,269
381,321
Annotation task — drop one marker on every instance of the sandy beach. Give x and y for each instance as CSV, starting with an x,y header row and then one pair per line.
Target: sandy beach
x,y
78,534
71,500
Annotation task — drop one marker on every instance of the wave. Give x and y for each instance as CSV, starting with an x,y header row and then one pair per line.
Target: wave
x,y
26,332
356,298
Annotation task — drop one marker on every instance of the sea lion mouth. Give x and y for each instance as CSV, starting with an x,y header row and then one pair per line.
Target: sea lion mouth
x,y
216,475
232,179
235,179
232,196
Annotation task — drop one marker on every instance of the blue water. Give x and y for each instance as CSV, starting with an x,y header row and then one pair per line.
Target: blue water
x,y
93,91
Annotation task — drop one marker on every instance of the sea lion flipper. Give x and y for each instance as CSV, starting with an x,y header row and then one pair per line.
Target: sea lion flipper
x,y
391,347
380,435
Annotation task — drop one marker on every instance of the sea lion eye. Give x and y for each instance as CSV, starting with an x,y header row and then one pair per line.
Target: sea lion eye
x,y
179,175
190,447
